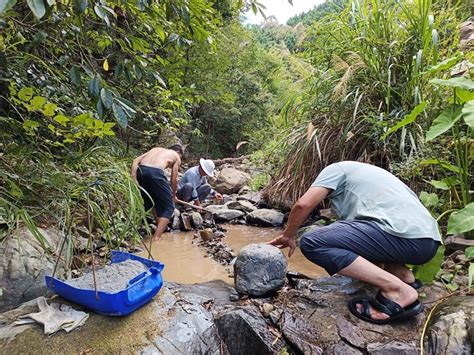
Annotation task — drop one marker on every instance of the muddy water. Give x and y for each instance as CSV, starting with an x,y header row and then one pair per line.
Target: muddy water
x,y
187,263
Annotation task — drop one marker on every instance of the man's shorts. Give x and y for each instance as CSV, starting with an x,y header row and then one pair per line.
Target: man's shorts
x,y
337,245
154,181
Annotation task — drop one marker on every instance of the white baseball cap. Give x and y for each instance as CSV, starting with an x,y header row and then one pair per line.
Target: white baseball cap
x,y
208,166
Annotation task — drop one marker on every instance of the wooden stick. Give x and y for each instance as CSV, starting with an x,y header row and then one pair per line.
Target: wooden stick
x,y
191,205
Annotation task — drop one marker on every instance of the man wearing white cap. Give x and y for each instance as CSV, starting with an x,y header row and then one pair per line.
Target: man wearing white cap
x,y
193,186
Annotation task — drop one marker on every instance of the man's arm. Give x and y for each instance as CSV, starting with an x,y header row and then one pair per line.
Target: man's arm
x,y
298,215
135,164
174,175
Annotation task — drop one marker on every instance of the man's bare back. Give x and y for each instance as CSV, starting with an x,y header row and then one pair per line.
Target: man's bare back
x,y
159,158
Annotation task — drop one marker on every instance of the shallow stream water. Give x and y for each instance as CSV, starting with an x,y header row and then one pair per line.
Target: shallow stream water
x,y
187,263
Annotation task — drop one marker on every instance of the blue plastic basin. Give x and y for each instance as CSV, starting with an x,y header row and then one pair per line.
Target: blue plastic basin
x,y
139,291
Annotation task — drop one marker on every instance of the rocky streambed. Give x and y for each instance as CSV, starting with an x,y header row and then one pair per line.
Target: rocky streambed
x,y
305,317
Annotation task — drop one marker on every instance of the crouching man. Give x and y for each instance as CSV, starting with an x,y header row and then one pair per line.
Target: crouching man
x,y
193,185
148,171
382,222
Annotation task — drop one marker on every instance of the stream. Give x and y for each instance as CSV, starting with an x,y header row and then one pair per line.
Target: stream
x,y
187,263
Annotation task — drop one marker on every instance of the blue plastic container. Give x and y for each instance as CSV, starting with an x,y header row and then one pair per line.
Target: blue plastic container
x,y
139,291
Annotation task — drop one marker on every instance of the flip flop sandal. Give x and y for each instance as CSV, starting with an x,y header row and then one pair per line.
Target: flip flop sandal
x,y
384,305
416,285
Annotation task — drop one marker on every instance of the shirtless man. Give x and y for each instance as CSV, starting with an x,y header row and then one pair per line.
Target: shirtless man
x,y
148,171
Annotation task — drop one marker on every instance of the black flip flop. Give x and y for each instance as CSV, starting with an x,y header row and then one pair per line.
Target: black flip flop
x,y
384,305
416,285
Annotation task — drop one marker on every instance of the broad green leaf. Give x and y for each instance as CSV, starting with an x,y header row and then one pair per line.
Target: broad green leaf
x,y
75,75
443,122
94,87
427,272
61,119
30,125
459,82
100,108
37,7
444,164
126,72
37,102
100,11
445,184
109,125
468,113
80,6
469,252
462,221
127,106
118,70
429,200
464,95
6,5
444,65
49,109
25,94
120,115
254,8
106,97
407,119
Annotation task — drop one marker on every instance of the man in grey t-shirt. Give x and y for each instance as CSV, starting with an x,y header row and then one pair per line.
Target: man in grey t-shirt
x,y
382,223
193,185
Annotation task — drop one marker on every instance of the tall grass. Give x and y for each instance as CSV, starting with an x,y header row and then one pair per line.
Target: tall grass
x,y
91,190
367,63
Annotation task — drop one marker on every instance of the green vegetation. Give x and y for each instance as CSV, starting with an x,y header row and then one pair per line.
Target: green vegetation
x,y
87,85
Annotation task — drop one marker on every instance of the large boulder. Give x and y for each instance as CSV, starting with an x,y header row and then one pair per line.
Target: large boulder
x,y
231,180
451,329
259,269
24,263
265,218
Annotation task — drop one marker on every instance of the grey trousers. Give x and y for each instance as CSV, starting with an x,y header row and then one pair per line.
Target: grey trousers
x,y
185,193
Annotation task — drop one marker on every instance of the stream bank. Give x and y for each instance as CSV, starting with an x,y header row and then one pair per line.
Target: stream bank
x,y
306,316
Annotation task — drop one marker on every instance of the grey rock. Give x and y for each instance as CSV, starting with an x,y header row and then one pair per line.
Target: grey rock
x,y
300,333
244,206
81,243
214,208
244,190
226,215
342,348
265,218
259,269
175,219
253,197
244,331
196,219
23,265
189,330
231,180
392,348
451,329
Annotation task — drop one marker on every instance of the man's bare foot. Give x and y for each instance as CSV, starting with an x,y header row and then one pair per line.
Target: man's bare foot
x,y
404,296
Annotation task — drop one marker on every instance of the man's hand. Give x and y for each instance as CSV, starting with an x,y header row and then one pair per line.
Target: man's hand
x,y
283,242
218,196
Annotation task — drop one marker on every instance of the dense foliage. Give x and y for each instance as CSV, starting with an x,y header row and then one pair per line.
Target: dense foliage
x,y
86,85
